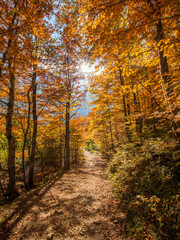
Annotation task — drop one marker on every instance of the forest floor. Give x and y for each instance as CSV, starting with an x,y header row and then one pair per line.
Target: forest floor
x,y
78,206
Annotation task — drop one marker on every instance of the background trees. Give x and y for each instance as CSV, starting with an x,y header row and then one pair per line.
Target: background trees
x,y
21,23
131,39
134,116
134,45
39,87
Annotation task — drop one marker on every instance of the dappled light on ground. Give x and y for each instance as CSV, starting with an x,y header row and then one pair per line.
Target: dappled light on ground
x,y
79,205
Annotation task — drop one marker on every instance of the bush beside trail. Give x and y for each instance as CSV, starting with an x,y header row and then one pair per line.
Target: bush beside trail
x,y
145,177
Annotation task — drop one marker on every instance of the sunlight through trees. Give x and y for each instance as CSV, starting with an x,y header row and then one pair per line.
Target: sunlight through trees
x,y
126,54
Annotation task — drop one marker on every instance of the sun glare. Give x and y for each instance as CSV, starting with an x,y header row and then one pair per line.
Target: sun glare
x,y
86,68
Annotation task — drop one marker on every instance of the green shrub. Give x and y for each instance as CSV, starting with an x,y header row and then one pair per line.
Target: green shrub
x,y
91,146
145,179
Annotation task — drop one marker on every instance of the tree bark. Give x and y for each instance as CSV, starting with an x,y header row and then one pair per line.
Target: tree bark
x,y
12,193
10,41
25,139
67,138
33,148
60,145
60,154
116,131
126,109
166,83
110,128
67,118
107,152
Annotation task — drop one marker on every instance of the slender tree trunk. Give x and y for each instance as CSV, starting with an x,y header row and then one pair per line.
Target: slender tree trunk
x,y
164,69
116,131
12,193
60,145
25,139
10,41
110,128
68,107
33,148
126,109
137,110
23,163
60,154
42,162
165,77
108,152
76,152
67,138
166,83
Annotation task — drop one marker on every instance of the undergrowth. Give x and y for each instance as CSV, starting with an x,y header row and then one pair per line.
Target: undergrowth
x,y
145,177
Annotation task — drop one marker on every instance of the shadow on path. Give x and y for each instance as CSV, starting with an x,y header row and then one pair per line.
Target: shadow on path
x,y
24,206
77,206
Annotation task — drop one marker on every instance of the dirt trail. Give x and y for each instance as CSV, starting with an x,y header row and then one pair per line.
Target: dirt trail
x,y
77,206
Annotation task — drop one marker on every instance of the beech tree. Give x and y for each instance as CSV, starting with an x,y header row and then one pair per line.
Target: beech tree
x,y
130,42
66,20
19,19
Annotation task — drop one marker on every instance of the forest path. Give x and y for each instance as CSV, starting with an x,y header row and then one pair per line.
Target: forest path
x,y
77,206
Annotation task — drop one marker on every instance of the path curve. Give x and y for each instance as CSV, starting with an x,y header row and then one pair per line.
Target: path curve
x,y
77,206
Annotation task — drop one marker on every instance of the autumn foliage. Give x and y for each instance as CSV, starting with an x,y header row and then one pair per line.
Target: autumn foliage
x,y
40,91
134,119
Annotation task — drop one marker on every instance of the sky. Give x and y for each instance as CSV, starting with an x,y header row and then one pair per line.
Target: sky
x,y
87,70
84,110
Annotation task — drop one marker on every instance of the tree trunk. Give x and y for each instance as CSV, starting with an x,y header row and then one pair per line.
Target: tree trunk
x,y
166,83
110,128
126,109
10,40
107,148
60,154
33,148
25,139
68,107
42,162
136,111
165,78
60,145
67,138
12,193
116,131
75,155
164,70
